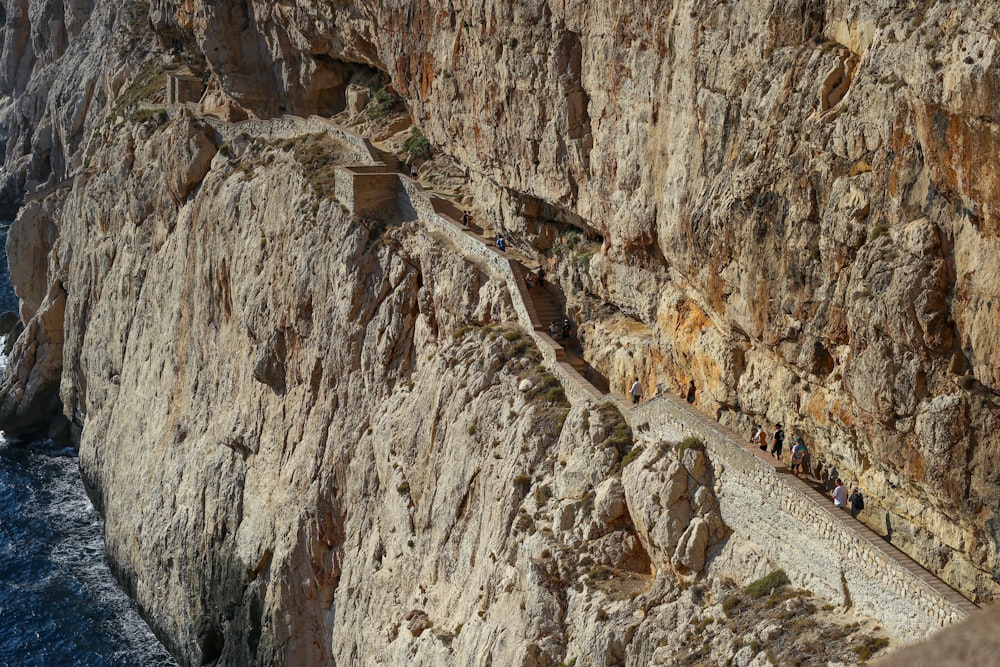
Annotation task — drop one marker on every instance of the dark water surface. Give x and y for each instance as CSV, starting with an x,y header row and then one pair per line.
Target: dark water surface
x,y
59,604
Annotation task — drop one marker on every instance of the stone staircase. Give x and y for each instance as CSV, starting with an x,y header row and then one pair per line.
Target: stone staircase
x,y
389,159
867,570
876,575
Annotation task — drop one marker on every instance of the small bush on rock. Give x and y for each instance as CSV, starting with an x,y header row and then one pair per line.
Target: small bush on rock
x,y
690,442
766,584
417,145
870,647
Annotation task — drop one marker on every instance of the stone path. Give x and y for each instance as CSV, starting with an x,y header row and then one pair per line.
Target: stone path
x,y
808,490
537,308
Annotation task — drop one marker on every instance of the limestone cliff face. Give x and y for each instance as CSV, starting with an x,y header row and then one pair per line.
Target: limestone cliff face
x,y
786,197
318,440
785,202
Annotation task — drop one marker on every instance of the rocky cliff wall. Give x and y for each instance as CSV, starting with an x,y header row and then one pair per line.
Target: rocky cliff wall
x,y
319,439
782,201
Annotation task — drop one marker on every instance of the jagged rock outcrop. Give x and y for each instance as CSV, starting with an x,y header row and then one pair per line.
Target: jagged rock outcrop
x,y
781,199
305,431
783,202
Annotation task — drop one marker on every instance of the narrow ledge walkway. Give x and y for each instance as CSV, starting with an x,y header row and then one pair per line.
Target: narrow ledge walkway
x,y
891,552
661,414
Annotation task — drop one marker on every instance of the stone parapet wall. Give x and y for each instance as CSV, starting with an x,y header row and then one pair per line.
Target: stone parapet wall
x,y
820,547
576,387
365,193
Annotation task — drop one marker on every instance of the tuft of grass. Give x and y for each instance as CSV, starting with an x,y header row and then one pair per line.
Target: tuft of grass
x,y
730,604
878,231
520,348
766,584
522,483
869,647
147,86
631,456
319,154
460,332
690,442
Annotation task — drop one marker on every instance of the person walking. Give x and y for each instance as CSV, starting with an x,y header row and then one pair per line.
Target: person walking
x,y
839,494
856,501
799,452
777,442
636,392
759,438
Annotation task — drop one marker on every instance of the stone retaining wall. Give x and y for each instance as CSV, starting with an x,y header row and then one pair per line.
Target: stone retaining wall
x,y
820,547
365,193
576,387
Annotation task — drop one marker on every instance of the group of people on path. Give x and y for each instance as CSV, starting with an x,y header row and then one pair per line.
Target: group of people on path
x,y
798,464
842,500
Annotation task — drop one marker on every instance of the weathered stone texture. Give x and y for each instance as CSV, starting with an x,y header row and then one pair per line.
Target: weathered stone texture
x,y
789,203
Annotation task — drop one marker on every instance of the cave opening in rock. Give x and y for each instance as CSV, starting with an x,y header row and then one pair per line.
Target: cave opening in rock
x,y
326,91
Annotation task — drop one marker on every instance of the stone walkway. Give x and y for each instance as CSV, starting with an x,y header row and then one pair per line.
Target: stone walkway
x,y
536,307
807,489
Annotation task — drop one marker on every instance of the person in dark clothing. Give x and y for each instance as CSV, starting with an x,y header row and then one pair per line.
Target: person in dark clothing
x,y
777,442
856,501
690,393
565,329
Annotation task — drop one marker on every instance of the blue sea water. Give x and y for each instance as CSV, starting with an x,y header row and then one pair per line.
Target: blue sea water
x,y
59,604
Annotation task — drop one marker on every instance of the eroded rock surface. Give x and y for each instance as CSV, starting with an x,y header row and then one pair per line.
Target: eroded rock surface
x,y
784,203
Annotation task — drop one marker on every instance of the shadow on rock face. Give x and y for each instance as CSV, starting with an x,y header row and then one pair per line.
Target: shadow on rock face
x,y
974,641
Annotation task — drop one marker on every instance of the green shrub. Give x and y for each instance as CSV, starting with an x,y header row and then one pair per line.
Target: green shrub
x,y
158,116
417,145
870,647
382,103
878,231
766,584
690,442
555,395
